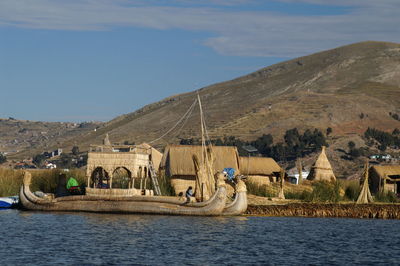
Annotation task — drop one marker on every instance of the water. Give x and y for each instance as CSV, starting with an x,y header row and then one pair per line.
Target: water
x,y
38,238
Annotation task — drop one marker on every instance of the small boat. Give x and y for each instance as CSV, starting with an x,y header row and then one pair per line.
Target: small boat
x,y
137,204
8,202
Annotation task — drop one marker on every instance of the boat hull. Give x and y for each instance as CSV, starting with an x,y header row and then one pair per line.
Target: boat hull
x,y
143,205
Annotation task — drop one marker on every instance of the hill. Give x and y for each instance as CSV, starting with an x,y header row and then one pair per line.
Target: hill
x,y
349,89
22,137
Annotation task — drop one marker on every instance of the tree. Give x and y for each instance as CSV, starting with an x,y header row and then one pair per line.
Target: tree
x,y
396,131
355,153
75,150
351,145
38,159
3,158
328,131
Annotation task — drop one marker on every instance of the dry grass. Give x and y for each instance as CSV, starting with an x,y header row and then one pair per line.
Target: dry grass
x,y
291,191
43,180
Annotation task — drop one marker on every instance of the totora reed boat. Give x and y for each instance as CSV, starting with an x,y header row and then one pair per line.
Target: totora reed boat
x,y
135,204
107,192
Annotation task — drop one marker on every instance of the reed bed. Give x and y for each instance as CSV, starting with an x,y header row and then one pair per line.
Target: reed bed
x,y
43,180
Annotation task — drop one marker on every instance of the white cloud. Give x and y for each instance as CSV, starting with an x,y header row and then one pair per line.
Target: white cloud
x,y
247,33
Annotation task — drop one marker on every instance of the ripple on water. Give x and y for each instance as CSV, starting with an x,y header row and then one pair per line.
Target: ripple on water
x,y
96,239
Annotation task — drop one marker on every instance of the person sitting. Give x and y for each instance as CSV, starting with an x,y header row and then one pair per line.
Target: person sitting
x,y
189,194
73,186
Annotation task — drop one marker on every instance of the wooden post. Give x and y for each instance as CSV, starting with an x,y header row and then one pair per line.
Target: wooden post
x,y
300,170
384,184
281,194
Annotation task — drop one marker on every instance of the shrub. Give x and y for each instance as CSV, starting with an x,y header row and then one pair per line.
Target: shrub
x,y
260,190
303,195
324,191
352,191
165,186
3,158
388,196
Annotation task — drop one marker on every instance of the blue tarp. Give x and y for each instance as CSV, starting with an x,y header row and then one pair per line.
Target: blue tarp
x,y
230,172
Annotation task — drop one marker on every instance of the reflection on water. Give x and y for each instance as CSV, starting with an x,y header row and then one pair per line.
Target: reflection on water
x,y
96,239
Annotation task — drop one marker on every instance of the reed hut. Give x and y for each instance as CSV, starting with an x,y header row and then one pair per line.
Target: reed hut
x,y
259,170
322,169
177,163
385,178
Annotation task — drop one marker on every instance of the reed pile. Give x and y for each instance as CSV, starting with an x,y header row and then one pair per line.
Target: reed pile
x,y
379,211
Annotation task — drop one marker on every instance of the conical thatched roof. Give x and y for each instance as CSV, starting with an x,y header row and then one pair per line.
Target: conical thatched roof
x,y
322,169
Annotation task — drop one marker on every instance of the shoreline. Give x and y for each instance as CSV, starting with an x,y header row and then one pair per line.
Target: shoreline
x,y
328,210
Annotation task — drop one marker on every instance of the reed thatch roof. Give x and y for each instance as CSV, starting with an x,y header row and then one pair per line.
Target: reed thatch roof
x,y
156,156
258,166
386,170
322,169
177,159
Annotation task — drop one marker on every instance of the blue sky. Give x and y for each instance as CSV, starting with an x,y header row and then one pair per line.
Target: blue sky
x,y
82,60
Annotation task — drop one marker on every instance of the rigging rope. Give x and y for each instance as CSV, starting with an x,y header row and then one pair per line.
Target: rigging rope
x,y
184,122
177,123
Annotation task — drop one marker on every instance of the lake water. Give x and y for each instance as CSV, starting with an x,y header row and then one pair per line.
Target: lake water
x,y
39,238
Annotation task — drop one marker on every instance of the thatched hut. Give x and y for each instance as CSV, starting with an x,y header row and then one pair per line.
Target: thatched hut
x,y
322,169
259,170
385,178
177,163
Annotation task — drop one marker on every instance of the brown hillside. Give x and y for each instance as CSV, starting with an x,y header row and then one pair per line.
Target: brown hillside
x,y
30,137
348,88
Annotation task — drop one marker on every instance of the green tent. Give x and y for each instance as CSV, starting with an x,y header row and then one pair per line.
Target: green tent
x,y
72,183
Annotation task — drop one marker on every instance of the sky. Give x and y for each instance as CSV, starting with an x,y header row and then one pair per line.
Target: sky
x,y
92,60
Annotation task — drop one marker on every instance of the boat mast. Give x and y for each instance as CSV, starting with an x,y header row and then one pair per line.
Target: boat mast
x,y
203,142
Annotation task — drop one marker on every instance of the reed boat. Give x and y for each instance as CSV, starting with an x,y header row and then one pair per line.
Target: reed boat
x,y
136,204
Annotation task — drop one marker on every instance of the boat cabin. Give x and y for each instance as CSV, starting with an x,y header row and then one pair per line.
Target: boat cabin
x,y
121,170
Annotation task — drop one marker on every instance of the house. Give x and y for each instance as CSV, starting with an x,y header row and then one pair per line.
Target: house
x,y
259,170
56,152
293,175
49,165
177,163
385,178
